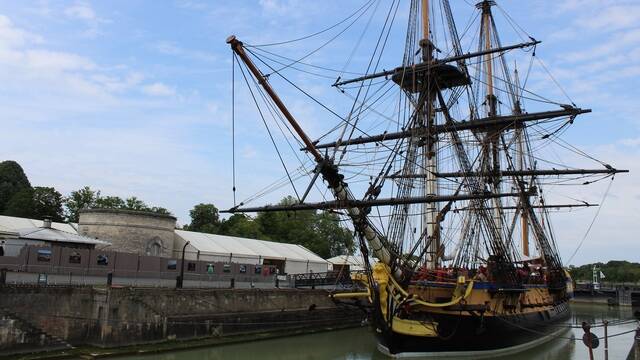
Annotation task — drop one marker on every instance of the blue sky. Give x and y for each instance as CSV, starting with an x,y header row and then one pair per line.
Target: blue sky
x,y
133,97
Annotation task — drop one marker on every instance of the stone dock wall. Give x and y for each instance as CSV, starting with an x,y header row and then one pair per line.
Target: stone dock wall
x,y
112,317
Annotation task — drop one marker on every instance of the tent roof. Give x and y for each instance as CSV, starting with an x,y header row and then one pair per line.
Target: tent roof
x,y
222,244
347,260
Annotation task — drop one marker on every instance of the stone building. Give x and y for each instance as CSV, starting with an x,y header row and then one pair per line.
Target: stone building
x,y
139,232
18,232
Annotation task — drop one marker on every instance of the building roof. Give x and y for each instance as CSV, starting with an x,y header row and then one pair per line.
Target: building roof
x,y
6,231
33,230
55,235
10,223
222,244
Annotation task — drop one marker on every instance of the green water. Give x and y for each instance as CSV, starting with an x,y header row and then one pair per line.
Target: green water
x,y
359,344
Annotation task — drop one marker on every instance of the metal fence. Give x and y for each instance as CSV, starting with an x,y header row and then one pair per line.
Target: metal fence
x,y
72,266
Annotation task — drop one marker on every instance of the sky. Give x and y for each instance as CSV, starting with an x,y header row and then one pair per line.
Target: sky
x,y
134,97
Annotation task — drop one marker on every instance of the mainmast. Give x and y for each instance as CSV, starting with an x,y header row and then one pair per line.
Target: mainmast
x,y
492,138
429,151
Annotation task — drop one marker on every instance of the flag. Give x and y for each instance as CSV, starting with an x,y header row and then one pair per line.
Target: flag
x,y
601,275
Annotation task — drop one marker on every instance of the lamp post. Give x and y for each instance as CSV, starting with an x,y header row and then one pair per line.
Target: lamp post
x,y
181,277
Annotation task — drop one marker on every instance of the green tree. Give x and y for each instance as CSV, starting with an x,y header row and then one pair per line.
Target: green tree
x,y
614,270
338,238
87,198
37,203
160,210
80,199
20,204
241,225
109,202
12,180
133,203
204,218
47,202
319,232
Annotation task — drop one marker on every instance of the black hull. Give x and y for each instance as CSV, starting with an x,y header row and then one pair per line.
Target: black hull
x,y
462,334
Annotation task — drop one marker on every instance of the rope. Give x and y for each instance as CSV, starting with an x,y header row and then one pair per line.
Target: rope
x,y
321,46
554,80
318,32
604,197
233,125
269,132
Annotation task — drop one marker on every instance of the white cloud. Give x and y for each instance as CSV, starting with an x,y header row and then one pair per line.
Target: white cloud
x,y
614,17
27,64
249,152
81,10
169,48
632,142
158,89
56,61
118,84
11,36
191,5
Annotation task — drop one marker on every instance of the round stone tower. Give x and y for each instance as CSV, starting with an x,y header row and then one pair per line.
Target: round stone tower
x,y
137,232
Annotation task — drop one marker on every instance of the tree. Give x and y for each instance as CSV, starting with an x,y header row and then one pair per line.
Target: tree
x,y
109,202
204,218
614,270
20,204
47,202
12,180
319,232
160,210
80,199
133,203
241,225
37,203
339,239
86,198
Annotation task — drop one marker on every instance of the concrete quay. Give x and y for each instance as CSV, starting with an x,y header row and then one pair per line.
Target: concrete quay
x,y
37,318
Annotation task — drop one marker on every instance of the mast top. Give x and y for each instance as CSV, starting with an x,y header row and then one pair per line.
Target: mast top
x,y
485,5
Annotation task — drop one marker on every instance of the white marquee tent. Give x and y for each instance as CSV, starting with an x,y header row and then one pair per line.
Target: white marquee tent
x,y
296,258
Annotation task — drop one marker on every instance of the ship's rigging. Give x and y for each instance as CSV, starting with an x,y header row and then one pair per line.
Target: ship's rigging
x,y
456,165
441,166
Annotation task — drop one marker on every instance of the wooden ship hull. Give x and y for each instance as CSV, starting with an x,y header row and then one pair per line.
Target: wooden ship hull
x,y
475,334
462,317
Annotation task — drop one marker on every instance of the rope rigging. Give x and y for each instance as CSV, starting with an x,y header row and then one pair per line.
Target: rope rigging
x,y
490,229
320,31
269,131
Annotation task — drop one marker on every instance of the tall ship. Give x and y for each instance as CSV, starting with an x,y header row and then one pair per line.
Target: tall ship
x,y
440,164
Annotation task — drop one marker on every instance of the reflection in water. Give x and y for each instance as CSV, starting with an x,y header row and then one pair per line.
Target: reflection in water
x,y
359,344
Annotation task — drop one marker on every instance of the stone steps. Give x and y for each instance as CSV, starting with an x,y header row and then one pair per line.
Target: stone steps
x,y
50,341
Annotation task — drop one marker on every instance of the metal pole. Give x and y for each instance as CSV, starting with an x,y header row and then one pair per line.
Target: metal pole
x,y
606,340
636,344
181,278
587,330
